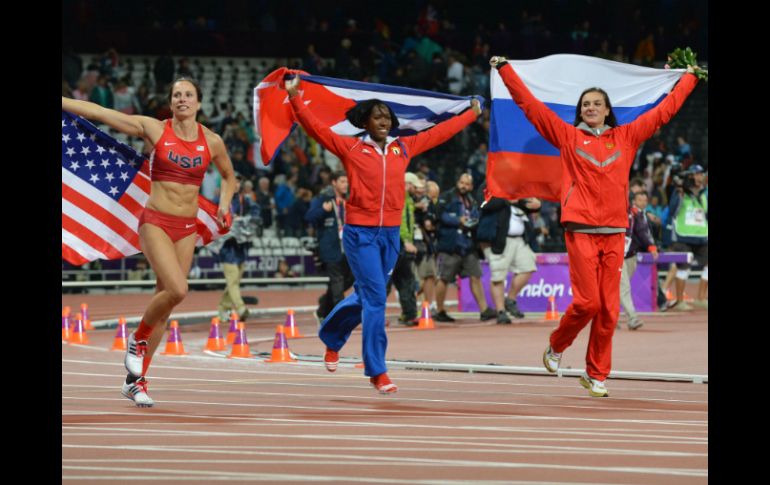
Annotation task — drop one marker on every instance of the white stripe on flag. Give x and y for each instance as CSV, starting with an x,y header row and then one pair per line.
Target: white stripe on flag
x,y
80,247
98,227
209,222
139,195
97,197
436,105
561,78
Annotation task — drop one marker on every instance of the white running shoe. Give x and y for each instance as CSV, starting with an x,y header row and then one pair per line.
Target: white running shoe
x,y
135,355
137,392
551,360
595,387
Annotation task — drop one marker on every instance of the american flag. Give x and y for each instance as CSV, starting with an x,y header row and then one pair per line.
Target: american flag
x,y
105,185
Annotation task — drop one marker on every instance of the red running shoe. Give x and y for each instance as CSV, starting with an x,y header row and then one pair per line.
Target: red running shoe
x,y
383,384
331,359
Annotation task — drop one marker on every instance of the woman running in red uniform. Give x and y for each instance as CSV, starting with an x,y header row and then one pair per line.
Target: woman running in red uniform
x,y
182,150
596,156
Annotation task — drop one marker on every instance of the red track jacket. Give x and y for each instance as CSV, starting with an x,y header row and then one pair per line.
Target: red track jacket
x,y
376,178
594,188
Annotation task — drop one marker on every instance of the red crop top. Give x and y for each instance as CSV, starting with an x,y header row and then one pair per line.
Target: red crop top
x,y
176,160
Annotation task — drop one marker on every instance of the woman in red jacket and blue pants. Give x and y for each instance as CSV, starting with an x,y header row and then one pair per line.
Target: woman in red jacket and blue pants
x,y
375,165
596,156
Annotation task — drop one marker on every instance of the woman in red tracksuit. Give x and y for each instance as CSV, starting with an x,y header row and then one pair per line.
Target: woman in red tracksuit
x,y
375,165
596,156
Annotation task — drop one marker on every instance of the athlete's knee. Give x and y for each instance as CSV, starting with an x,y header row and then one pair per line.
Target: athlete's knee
x,y
177,291
587,307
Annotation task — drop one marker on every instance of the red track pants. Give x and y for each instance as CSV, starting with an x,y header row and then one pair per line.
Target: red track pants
x,y
595,261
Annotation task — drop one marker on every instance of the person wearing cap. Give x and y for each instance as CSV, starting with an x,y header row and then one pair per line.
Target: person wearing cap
x,y
233,251
690,233
403,273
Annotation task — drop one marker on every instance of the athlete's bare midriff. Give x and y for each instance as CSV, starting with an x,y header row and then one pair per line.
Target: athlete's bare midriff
x,y
174,199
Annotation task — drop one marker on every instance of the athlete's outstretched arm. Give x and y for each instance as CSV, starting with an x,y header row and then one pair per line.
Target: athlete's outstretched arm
x,y
131,125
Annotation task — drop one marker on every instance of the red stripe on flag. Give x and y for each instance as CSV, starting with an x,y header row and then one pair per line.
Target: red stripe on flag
x,y
92,239
131,205
143,183
100,213
71,256
516,175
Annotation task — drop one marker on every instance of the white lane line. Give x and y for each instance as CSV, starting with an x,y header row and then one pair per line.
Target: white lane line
x,y
315,479
271,371
388,461
357,437
449,447
390,411
559,419
336,385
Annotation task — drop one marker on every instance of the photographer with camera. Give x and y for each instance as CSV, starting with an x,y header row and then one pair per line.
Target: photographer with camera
x,y
232,249
690,232
327,215
458,215
426,221
505,234
403,273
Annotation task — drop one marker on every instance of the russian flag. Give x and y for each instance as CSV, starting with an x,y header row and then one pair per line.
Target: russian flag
x,y
520,162
330,98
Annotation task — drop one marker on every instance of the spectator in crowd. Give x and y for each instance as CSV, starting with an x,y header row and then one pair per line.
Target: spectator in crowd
x,y
638,239
284,270
284,198
327,215
266,201
164,70
690,233
82,91
455,74
248,190
232,253
505,234
477,163
124,99
458,215
645,50
295,218
101,94
211,182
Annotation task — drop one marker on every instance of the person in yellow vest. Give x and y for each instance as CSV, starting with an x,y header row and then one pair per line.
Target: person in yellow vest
x,y
690,233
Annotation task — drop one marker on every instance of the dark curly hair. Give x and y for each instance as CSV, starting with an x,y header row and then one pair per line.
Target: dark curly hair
x,y
609,120
359,114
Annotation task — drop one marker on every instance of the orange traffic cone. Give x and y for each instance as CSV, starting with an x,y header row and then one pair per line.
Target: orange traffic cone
x,y
551,313
79,335
174,344
66,331
290,328
280,347
216,341
121,339
240,345
426,320
233,327
86,318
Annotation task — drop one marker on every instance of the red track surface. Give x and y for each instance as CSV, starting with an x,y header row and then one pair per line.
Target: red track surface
x,y
245,420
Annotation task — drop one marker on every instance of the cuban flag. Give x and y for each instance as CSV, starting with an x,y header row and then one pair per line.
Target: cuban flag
x,y
521,163
105,185
330,98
